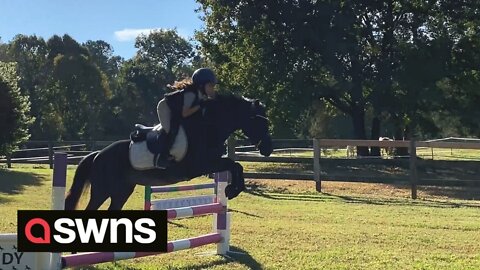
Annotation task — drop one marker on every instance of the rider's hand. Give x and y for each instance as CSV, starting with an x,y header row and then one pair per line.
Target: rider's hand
x,y
157,127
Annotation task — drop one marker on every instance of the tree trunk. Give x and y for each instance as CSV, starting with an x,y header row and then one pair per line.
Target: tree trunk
x,y
358,118
375,151
400,134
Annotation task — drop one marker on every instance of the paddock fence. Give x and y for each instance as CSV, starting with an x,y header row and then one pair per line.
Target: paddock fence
x,y
444,162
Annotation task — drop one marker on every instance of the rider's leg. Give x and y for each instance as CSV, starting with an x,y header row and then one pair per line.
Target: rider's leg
x,y
164,159
164,115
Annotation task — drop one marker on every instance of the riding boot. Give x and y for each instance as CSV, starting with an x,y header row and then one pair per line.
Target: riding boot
x,y
163,159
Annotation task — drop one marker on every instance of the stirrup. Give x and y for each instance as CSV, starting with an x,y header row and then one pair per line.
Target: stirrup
x,y
163,162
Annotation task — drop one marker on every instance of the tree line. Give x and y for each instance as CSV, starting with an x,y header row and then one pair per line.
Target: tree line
x,y
73,91
342,68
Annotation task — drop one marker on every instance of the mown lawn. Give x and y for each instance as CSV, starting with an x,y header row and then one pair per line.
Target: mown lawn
x,y
286,225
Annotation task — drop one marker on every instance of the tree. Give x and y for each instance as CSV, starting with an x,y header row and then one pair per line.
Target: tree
x,y
80,89
162,57
14,110
101,53
30,54
355,55
460,88
3,51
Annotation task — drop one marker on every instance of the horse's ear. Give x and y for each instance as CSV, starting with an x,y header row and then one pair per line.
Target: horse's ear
x,y
257,102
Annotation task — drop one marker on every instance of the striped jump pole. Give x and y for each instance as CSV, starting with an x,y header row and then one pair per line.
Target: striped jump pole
x,y
58,196
177,202
182,188
221,225
82,259
221,220
197,205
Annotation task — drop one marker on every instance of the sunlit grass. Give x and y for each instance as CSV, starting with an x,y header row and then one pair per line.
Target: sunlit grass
x,y
287,225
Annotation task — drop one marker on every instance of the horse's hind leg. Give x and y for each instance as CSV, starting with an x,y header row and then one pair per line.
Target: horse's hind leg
x,y
97,198
120,197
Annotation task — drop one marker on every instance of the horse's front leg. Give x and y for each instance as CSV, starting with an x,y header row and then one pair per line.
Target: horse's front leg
x,y
238,182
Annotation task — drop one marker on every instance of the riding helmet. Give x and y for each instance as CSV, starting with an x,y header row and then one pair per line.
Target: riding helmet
x,y
203,76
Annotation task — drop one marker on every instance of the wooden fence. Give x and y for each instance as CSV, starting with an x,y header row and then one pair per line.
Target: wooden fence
x,y
319,167
41,152
403,170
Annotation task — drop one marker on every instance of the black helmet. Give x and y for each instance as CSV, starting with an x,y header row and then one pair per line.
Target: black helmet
x,y
203,76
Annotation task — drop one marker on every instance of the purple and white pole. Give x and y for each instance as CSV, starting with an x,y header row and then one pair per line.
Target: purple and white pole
x,y
221,220
58,196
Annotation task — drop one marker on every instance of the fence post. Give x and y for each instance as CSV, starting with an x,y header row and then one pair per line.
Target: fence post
x,y
316,164
9,160
413,167
231,148
50,154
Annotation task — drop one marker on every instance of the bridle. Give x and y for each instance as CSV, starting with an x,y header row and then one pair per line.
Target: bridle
x,y
253,117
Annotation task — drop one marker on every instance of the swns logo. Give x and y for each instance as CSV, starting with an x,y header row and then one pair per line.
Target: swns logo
x,y
89,231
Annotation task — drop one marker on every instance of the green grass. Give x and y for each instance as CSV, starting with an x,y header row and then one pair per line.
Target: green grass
x,y
286,225
426,153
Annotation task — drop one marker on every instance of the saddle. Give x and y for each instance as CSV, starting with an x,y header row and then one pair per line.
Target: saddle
x,y
146,144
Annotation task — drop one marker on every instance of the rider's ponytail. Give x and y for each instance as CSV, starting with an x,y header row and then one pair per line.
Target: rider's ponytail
x,y
186,84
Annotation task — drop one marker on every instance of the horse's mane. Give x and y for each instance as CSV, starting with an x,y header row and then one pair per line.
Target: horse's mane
x,y
234,98
229,96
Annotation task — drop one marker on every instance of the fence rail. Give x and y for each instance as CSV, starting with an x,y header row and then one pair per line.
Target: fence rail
x,y
318,167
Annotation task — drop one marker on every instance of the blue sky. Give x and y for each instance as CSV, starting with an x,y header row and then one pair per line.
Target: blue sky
x,y
117,22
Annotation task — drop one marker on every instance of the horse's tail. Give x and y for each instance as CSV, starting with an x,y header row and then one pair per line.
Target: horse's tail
x,y
80,180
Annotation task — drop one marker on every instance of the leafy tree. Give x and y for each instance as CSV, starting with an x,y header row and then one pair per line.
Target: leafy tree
x,y
3,52
30,54
162,57
78,88
383,57
460,88
14,110
102,55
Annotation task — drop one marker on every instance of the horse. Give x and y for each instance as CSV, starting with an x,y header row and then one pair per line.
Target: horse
x,y
387,151
111,175
351,150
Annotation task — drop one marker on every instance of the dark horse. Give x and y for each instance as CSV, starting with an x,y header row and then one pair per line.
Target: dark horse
x,y
111,175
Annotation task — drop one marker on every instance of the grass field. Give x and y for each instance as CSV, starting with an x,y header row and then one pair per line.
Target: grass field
x,y
286,225
423,152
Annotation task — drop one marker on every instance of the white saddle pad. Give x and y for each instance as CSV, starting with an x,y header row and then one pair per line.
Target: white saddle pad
x,y
142,159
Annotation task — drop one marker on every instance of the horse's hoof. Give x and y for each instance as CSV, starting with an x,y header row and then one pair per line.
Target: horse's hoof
x,y
232,191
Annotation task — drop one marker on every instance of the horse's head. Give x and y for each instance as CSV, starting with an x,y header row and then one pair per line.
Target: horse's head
x,y
254,124
232,113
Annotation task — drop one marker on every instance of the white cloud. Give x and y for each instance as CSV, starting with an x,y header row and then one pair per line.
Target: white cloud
x,y
129,34
184,33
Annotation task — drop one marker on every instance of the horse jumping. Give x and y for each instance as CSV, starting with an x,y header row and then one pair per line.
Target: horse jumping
x,y
111,175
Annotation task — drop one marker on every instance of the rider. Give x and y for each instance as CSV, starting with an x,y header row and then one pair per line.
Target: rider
x,y
189,96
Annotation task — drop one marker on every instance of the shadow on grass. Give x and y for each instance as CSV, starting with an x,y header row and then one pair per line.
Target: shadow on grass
x,y
12,182
177,224
284,195
4,199
462,193
237,255
243,213
243,257
403,202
